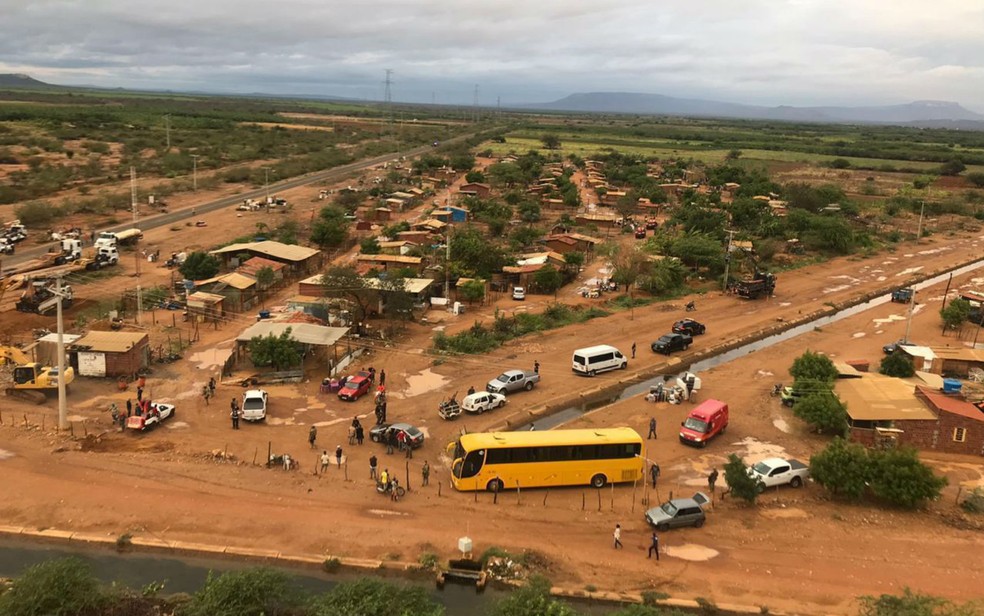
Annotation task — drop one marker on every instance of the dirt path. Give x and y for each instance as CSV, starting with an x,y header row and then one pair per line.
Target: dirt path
x,y
799,550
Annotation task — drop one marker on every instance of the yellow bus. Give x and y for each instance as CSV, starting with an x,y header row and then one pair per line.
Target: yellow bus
x,y
508,460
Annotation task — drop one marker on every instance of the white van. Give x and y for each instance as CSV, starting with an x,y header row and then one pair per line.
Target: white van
x,y
593,360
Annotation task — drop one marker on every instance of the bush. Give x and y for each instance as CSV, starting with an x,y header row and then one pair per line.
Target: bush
x,y
250,592
812,365
37,213
63,587
823,411
199,266
534,599
842,468
913,604
974,501
897,364
740,483
331,564
374,597
976,178
429,560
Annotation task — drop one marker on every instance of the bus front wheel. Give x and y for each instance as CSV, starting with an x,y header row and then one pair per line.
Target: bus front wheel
x,y
599,481
495,485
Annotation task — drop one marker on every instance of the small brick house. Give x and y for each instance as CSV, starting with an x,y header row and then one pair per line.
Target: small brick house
x,y
111,354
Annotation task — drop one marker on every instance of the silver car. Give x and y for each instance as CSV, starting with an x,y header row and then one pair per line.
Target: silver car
x,y
679,512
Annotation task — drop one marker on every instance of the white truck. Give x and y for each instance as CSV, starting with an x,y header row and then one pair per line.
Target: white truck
x,y
104,257
156,413
112,239
254,405
774,472
513,380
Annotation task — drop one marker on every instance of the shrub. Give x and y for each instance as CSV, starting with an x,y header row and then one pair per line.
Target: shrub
x,y
974,501
374,597
740,483
37,213
63,587
250,592
331,564
897,364
842,468
812,365
823,411
534,599
199,266
429,560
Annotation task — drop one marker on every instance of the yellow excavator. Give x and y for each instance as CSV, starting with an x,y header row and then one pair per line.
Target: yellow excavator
x,y
31,379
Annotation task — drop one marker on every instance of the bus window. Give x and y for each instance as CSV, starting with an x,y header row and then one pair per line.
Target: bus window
x,y
472,464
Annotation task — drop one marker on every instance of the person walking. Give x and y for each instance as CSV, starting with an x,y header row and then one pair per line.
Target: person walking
x,y
351,435
129,407
140,394
425,473
654,546
536,366
235,417
205,394
382,376
652,428
654,472
390,441
312,436
211,385
338,455
618,536
325,461
407,447
711,480
360,434
633,350
372,466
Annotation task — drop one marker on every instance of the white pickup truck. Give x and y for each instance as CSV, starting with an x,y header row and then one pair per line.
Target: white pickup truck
x,y
773,472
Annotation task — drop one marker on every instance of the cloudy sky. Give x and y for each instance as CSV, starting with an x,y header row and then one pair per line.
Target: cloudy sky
x,y
795,52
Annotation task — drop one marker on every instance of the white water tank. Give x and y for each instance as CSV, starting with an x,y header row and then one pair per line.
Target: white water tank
x,y
465,545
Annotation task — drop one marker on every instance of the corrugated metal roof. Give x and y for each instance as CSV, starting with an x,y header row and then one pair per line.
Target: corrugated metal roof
x,y
950,404
109,342
66,338
960,354
208,298
411,285
390,259
304,333
288,252
237,280
876,397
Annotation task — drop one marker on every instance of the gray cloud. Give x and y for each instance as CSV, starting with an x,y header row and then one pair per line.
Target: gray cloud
x,y
756,51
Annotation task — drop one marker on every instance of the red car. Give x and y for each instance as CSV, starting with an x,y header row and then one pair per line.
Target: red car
x,y
354,388
640,232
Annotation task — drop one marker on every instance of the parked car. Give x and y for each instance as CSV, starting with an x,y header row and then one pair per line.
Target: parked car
x,y
513,380
379,434
772,472
354,388
482,401
519,294
668,343
254,405
6,247
890,348
688,326
790,396
679,512
903,296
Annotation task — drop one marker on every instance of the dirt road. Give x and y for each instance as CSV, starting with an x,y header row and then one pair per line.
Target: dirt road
x,y
795,551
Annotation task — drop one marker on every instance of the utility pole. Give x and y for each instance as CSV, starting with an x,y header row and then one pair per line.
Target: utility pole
x,y
727,258
922,210
447,265
133,207
167,130
62,402
194,171
266,183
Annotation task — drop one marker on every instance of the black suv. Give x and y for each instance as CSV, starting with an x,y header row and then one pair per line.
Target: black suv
x,y
688,326
668,343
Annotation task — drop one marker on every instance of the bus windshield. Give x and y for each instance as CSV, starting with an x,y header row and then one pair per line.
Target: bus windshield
x,y
470,466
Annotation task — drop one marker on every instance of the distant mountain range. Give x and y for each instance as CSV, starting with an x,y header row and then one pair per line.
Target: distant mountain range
x,y
18,80
918,112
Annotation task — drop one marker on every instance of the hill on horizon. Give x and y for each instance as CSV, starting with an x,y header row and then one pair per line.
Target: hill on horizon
x,y
20,80
658,104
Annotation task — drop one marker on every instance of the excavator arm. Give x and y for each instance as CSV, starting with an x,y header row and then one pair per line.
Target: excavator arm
x,y
14,355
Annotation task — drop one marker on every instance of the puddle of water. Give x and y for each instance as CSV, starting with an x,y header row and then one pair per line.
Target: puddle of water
x,y
691,552
194,391
210,358
764,373
756,450
5,455
792,512
177,425
781,425
422,383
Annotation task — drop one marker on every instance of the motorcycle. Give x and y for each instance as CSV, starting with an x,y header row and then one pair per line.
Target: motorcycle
x,y
776,390
387,489
691,306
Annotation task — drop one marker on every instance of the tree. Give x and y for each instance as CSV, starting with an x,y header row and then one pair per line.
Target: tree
x,y
548,279
330,229
899,478
976,178
472,291
529,212
550,141
475,177
812,365
574,261
61,587
373,597
369,246
277,351
664,276
286,232
733,155
475,254
199,266
534,599
628,265
399,301
505,174
955,313
842,468
954,166
258,591
265,277
823,411
897,364
740,483
345,283
697,250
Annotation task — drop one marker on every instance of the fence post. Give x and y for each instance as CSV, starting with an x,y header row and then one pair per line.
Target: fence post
x,y
613,496
599,500
439,484
635,484
582,500
408,472
269,452
255,451
517,492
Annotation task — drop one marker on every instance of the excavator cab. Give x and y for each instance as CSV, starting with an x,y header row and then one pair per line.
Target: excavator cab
x,y
26,374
